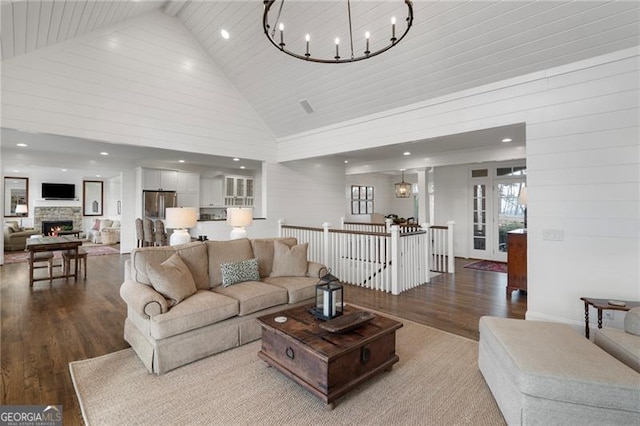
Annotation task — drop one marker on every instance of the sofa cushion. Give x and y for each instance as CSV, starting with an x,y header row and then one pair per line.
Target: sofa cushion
x,y
203,308
237,272
254,296
194,256
105,223
298,288
13,225
632,321
226,251
96,225
621,345
289,261
263,251
172,279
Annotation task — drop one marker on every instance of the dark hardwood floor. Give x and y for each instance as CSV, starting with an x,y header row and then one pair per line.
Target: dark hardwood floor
x,y
46,327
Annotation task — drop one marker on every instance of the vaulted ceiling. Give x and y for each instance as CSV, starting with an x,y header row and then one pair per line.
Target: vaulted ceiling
x,y
453,45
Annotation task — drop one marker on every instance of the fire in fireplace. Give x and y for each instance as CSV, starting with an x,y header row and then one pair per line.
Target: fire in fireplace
x,y
50,227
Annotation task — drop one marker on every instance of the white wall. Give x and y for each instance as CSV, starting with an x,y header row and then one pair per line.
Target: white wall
x,y
451,202
583,158
145,82
384,197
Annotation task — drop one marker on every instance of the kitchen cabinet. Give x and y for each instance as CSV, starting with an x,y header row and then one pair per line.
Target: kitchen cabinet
x,y
211,192
188,185
238,191
188,182
155,179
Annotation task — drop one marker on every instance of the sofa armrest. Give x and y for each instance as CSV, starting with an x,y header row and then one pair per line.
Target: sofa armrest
x,y
143,299
316,270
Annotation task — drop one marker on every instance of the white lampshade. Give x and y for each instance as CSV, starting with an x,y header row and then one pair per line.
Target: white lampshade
x,y
179,219
21,209
239,217
522,198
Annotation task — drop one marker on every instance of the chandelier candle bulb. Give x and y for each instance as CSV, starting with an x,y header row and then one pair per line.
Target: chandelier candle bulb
x,y
306,39
393,29
366,36
337,46
281,34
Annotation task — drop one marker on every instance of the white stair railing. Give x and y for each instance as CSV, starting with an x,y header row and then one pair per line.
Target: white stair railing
x,y
392,261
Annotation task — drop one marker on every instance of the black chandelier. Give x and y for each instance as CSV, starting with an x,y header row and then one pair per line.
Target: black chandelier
x,y
279,40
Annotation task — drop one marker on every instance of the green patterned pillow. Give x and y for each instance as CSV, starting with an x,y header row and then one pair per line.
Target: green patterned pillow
x,y
237,272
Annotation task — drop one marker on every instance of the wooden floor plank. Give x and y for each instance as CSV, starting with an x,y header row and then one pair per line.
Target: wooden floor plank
x,y
46,327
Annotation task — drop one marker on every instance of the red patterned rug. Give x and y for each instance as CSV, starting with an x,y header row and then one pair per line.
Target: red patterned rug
x,y
23,256
488,265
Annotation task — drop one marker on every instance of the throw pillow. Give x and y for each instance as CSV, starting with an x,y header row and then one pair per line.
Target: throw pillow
x,y
237,272
172,279
13,225
96,225
289,261
632,321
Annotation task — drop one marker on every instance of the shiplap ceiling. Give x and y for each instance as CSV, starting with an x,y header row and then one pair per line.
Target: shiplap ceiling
x,y
453,45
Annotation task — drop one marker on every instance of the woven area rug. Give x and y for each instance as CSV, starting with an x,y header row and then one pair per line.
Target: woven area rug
x,y
23,256
436,382
488,265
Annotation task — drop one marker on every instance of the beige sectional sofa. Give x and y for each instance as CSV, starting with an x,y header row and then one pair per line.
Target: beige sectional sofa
x,y
166,332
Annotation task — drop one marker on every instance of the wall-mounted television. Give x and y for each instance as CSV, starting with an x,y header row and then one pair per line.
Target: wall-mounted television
x,y
58,191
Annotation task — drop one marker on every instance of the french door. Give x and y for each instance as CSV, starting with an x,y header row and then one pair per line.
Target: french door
x,y
495,210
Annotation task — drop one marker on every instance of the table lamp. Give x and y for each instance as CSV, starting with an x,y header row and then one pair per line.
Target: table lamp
x,y
238,218
180,219
21,210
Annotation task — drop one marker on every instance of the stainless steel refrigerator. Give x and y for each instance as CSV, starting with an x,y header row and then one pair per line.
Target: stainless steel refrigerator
x,y
155,203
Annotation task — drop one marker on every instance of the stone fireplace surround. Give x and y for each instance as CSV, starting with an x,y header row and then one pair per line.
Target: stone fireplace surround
x,y
56,214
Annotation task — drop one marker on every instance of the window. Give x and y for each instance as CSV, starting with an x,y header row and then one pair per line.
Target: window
x,y
361,199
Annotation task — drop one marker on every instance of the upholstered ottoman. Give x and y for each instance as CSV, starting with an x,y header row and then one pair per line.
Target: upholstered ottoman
x,y
547,373
110,236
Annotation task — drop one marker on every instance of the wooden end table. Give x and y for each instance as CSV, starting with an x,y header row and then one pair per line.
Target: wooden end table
x,y
40,244
600,305
327,364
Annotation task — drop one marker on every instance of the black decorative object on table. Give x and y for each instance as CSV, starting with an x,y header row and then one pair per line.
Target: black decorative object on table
x,y
329,298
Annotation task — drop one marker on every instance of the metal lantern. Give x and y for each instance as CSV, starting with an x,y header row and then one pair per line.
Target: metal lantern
x,y
329,297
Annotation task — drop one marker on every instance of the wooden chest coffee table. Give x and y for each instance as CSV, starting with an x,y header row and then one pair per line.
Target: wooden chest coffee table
x,y
327,364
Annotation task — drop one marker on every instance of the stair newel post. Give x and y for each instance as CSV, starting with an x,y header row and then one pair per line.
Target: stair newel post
x,y
451,268
326,242
395,260
427,251
280,223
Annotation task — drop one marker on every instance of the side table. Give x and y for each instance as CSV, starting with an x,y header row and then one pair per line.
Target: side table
x,y
600,305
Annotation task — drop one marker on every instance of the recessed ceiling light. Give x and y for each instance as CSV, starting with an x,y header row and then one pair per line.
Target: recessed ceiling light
x,y
21,144
236,159
97,175
225,34
180,161
64,170
15,171
104,153
507,140
406,153
346,161
242,167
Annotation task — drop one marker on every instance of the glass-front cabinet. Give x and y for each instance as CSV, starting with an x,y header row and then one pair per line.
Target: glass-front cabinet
x,y
238,191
